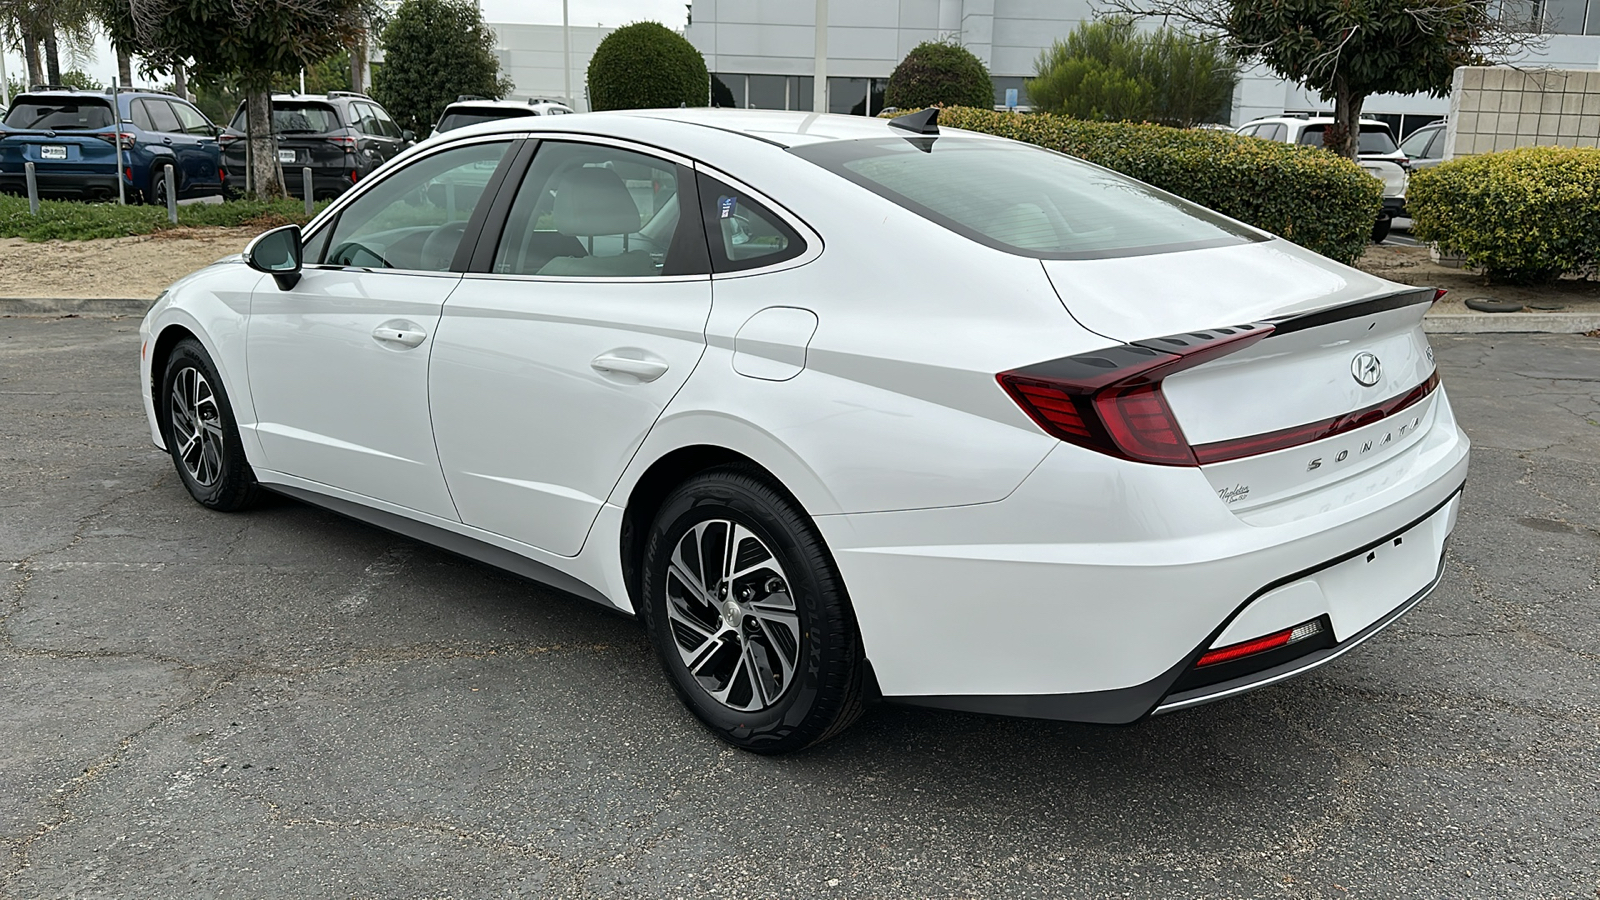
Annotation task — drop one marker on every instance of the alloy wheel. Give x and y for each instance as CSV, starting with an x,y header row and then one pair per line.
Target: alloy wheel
x,y
733,619
196,426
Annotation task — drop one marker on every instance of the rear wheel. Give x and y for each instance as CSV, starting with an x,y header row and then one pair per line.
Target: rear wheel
x,y
158,186
1380,229
198,425
749,616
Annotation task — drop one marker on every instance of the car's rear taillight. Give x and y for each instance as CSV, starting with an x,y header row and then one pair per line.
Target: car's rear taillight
x,y
226,140
1261,644
347,144
111,137
1111,401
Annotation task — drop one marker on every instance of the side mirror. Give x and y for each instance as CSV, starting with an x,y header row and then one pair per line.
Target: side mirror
x,y
408,135
278,254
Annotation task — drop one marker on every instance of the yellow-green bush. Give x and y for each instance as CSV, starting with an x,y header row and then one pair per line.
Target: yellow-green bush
x,y
1524,215
1303,194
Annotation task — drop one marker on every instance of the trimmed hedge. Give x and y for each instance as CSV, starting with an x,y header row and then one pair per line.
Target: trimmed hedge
x,y
936,73
647,65
1304,194
1526,215
69,220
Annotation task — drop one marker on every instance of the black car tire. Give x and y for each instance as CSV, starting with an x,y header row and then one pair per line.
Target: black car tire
x,y
219,477
826,690
156,195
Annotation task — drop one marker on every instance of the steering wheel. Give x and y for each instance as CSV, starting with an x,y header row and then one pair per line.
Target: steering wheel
x,y
349,253
439,250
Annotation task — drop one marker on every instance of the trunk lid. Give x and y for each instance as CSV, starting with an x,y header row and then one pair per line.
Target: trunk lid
x,y
1344,385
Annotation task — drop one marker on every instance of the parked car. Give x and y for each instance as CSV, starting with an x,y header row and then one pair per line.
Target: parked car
x,y
1376,153
470,110
71,138
1424,148
341,136
1122,456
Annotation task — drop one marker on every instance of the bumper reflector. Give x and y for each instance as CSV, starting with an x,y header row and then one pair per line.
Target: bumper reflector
x,y
1261,644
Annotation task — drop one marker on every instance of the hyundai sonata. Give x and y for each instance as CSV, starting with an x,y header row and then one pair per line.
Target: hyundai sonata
x,y
840,408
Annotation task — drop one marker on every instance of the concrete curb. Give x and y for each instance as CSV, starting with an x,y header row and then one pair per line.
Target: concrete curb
x,y
51,307
1512,323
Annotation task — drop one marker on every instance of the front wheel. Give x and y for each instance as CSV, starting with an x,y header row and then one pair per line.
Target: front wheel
x,y
749,615
201,433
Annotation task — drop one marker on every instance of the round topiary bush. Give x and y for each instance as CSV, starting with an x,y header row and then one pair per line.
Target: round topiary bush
x,y
1525,215
647,66
936,73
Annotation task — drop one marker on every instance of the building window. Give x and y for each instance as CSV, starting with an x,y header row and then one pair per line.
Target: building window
x,y
856,96
1570,16
761,91
1003,82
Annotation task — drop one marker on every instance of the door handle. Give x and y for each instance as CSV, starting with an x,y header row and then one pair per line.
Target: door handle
x,y
406,334
642,369
167,141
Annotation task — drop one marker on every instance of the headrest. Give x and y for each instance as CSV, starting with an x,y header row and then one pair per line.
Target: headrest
x,y
594,201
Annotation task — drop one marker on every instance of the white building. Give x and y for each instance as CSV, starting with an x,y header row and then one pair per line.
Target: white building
x,y
536,60
761,51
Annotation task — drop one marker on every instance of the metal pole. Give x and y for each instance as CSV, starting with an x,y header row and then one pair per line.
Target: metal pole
x,y
819,78
116,139
172,193
33,188
566,56
305,185
5,83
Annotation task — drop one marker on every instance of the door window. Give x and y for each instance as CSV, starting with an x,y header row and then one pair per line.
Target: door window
x,y
386,125
743,234
162,116
365,121
1416,145
191,120
591,211
141,119
415,218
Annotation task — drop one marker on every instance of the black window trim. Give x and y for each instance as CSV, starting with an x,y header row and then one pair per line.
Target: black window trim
x,y
808,235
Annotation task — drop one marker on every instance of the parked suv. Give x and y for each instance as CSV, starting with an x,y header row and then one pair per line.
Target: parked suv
x,y
71,138
470,110
341,136
1376,153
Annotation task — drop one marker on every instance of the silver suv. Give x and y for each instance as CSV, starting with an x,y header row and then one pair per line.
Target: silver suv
x,y
1377,154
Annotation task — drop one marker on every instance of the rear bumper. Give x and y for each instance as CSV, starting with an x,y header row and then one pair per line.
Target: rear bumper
x,y
1095,591
62,184
1395,207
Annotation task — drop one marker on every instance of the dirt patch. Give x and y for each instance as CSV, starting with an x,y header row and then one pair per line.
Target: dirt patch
x,y
1411,265
123,268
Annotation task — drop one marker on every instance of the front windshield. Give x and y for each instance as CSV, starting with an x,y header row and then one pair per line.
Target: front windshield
x,y
1025,199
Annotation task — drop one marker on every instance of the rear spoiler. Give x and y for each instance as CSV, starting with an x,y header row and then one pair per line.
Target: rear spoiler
x,y
1317,318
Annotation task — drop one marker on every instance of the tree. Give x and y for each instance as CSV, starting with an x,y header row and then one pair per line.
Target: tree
x,y
434,51
1110,70
246,42
1347,50
939,73
647,66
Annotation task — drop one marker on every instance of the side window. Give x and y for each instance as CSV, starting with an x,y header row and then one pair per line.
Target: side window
x,y
415,217
1274,132
191,119
360,119
1436,146
743,234
162,116
141,119
592,211
386,125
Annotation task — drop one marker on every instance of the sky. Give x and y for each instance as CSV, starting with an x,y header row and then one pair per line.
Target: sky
x,y
671,13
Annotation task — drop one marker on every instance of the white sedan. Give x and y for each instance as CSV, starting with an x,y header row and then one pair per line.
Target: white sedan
x,y
841,408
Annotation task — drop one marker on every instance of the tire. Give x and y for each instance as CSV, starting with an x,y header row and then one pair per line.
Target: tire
x,y
209,458
158,186
1380,229
788,608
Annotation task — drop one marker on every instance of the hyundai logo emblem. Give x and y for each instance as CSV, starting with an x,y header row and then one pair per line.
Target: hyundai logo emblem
x,y
1366,369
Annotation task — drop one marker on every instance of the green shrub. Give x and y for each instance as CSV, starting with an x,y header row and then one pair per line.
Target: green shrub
x,y
1303,194
647,66
939,73
73,221
1524,215
1110,70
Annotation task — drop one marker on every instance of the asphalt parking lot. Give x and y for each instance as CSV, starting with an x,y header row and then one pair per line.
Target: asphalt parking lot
x,y
287,704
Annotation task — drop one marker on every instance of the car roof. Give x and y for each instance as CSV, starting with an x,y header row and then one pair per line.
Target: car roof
x,y
784,128
504,104
1309,120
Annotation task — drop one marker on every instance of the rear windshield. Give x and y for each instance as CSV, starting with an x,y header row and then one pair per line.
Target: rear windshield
x,y
1374,138
296,118
462,117
1025,199
60,115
